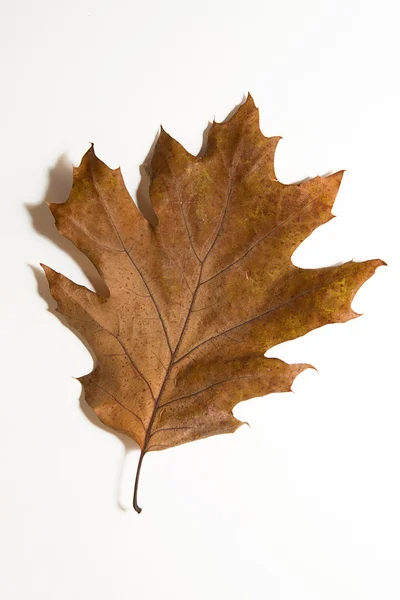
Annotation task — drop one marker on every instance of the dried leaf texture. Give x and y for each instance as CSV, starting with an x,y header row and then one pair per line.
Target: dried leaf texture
x,y
196,301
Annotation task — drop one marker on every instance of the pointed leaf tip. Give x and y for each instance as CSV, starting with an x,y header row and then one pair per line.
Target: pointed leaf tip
x,y
250,99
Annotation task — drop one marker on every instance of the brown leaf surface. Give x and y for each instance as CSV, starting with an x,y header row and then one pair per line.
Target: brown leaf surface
x,y
196,301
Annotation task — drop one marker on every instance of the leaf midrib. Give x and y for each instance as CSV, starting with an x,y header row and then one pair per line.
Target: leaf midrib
x,y
184,327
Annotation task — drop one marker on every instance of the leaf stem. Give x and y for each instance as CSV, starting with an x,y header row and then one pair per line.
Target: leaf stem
x,y
174,353
135,493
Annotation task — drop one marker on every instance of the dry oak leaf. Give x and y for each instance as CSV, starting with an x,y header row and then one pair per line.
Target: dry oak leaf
x,y
197,300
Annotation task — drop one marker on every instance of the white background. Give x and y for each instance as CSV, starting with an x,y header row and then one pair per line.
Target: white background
x,y
304,505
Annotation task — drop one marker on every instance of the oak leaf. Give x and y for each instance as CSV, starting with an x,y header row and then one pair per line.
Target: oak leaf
x,y
196,300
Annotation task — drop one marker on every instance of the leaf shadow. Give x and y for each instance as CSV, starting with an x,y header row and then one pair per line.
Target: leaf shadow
x,y
58,189
142,192
204,144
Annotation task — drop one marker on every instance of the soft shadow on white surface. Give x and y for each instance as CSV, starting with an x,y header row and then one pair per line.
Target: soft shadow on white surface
x,y
142,192
59,186
58,189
